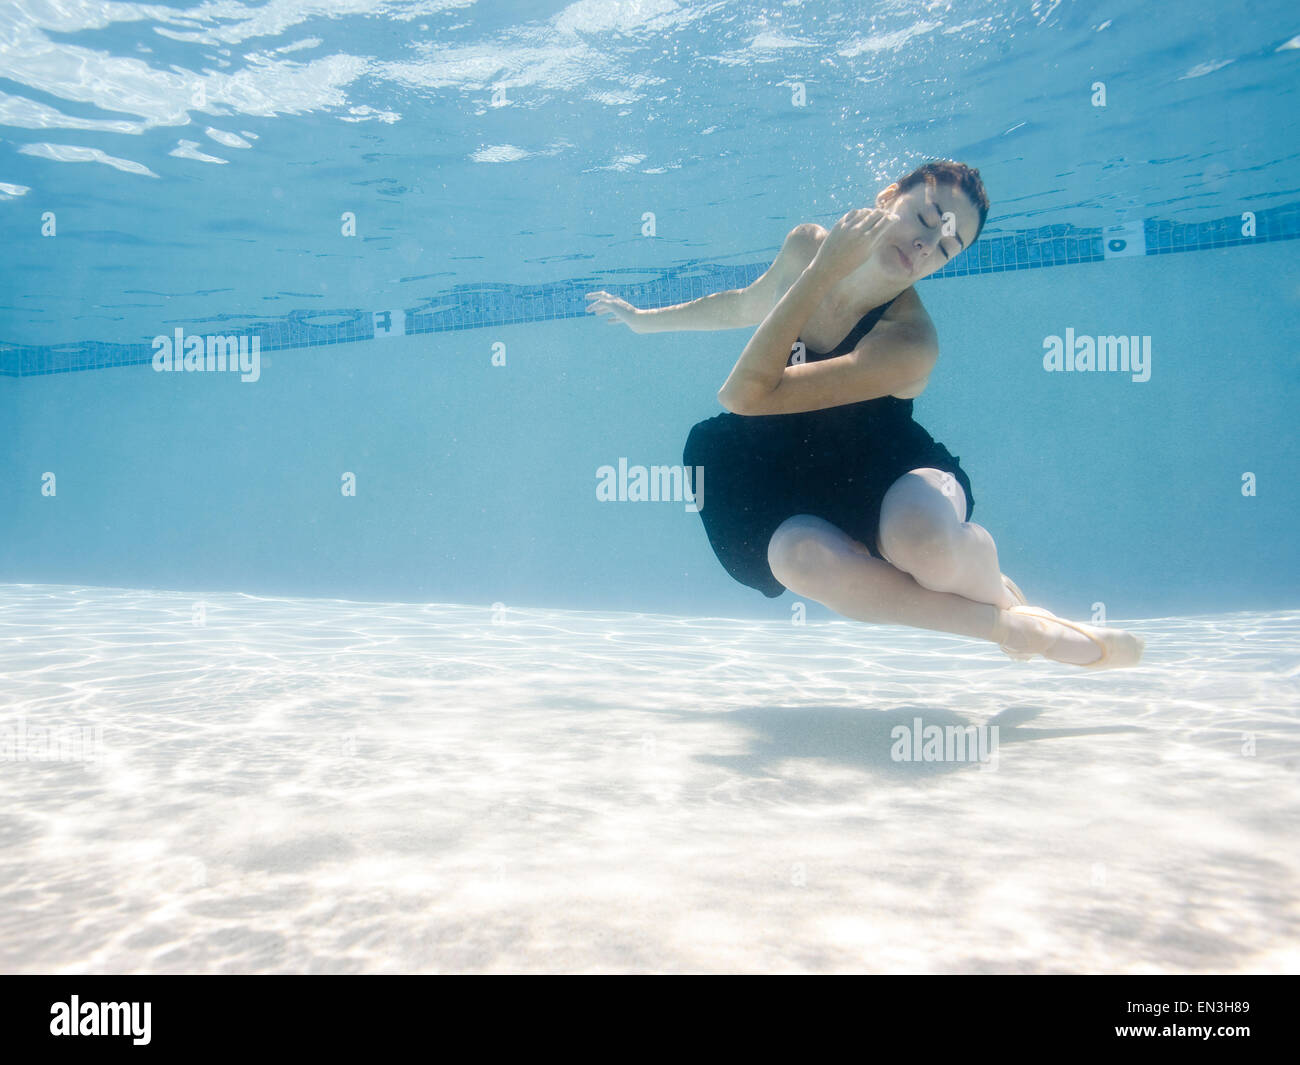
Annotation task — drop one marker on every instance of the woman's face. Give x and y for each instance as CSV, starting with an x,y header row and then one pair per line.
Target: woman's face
x,y
936,223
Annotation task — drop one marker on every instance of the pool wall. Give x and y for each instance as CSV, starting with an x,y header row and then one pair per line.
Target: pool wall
x,y
1098,488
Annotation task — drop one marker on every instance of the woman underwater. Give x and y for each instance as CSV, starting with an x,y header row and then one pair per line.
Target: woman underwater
x,y
818,479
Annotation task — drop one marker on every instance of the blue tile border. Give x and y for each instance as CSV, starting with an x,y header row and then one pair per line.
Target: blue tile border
x,y
486,305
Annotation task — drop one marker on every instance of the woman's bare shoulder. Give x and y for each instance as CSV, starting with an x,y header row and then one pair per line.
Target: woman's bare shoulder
x,y
908,310
907,307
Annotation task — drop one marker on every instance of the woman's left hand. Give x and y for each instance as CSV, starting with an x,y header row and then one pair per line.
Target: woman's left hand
x,y
852,241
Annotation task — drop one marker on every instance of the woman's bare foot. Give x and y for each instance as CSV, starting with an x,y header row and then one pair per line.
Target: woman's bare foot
x,y
1025,631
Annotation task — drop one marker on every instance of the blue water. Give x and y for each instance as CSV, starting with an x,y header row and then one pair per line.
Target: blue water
x,y
498,161
372,596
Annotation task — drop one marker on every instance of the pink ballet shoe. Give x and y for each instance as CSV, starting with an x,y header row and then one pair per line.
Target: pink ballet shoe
x,y
1014,589
1119,649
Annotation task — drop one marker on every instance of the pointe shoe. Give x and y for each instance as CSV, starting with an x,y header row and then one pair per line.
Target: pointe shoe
x,y
1119,648
1020,599
1014,589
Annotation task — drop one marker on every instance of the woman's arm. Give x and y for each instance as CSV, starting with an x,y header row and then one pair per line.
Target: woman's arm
x,y
761,366
892,356
717,310
735,308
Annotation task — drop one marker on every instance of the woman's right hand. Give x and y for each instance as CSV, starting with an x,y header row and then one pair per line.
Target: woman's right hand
x,y
614,310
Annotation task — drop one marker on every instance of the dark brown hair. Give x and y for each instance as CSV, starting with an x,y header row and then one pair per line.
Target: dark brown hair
x,y
952,173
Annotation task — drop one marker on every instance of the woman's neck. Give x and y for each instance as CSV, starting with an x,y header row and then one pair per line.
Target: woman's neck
x,y
863,290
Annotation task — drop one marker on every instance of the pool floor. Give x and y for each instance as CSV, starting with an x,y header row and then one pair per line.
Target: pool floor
x,y
236,784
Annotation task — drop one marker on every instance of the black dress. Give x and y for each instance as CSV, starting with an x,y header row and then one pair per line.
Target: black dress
x,y
836,464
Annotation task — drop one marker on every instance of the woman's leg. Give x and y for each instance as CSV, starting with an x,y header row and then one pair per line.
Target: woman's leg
x,y
817,560
942,572
923,532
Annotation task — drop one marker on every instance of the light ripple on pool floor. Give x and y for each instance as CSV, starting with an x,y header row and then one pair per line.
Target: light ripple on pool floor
x,y
323,786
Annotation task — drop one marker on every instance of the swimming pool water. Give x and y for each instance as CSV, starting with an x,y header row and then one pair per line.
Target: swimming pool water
x,y
336,660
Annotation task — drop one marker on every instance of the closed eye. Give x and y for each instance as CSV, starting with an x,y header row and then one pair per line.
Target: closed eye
x,y
927,225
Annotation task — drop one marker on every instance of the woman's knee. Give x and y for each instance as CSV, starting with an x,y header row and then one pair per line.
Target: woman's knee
x,y
802,545
918,526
